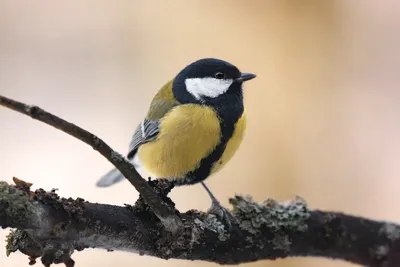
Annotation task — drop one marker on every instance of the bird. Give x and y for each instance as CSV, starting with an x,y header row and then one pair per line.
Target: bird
x,y
194,125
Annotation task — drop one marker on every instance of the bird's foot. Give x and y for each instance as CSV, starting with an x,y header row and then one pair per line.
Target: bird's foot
x,y
223,214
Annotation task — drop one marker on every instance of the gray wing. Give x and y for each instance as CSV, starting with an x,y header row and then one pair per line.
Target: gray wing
x,y
146,131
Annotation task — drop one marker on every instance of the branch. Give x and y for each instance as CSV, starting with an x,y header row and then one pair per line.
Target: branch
x,y
165,213
51,227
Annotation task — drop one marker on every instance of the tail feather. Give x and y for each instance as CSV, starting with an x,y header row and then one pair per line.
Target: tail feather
x,y
112,177
115,176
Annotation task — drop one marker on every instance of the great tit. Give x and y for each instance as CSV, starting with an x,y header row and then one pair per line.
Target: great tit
x,y
193,127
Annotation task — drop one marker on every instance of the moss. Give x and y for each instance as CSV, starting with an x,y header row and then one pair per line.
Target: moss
x,y
271,214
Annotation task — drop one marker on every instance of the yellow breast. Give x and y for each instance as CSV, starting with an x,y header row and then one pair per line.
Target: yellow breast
x,y
233,144
188,133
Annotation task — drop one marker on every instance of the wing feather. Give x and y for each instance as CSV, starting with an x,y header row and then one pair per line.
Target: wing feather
x,y
145,132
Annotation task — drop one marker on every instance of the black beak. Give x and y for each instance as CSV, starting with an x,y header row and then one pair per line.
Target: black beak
x,y
245,77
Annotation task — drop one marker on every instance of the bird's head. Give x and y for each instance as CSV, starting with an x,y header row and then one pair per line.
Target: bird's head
x,y
208,80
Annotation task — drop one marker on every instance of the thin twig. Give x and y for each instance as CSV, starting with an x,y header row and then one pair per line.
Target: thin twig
x,y
165,213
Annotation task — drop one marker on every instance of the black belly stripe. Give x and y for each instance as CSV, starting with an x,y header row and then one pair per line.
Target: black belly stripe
x,y
206,164
228,116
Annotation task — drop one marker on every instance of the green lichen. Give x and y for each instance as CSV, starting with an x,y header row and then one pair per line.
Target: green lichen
x,y
276,216
12,241
212,223
20,240
281,242
15,206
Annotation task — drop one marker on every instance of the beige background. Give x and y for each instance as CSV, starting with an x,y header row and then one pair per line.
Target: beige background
x,y
323,112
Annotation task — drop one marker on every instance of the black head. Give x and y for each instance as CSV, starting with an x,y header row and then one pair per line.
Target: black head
x,y
208,80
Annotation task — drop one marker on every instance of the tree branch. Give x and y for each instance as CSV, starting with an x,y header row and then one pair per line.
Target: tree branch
x,y
51,227
165,213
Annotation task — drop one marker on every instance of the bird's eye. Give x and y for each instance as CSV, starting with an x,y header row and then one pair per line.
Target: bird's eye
x,y
219,75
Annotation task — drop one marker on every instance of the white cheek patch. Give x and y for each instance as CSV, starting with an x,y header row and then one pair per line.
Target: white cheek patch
x,y
209,87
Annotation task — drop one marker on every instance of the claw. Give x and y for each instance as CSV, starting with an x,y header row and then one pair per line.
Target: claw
x,y
223,214
218,210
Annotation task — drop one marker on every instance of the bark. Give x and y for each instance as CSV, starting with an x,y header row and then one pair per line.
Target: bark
x,y
52,228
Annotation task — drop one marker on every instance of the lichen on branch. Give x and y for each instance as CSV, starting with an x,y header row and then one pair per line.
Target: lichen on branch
x,y
268,230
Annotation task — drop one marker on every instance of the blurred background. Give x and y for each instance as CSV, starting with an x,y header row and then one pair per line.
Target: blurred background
x,y
323,111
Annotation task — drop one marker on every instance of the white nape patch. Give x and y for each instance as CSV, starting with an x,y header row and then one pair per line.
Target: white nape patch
x,y
209,87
